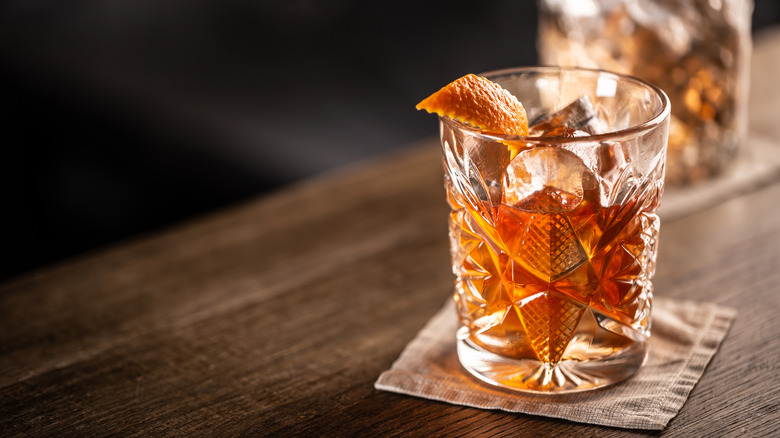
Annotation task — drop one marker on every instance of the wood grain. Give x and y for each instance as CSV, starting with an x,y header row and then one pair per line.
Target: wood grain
x,y
274,318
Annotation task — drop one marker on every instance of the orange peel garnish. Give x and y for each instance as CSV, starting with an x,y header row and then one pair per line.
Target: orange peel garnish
x,y
481,103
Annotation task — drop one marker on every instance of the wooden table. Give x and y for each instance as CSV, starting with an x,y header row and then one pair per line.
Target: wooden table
x,y
275,317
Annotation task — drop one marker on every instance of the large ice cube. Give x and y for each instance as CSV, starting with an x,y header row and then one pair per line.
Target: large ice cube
x,y
485,163
560,173
579,115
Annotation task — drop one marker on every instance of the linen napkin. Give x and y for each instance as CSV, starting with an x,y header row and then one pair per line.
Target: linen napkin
x,y
685,336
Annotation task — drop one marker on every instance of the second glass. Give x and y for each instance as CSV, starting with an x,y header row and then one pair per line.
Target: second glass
x,y
554,235
697,51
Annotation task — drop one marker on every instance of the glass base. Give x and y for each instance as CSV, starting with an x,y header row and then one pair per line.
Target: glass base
x,y
568,376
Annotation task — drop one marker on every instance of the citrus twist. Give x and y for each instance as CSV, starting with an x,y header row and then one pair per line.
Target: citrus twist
x,y
481,103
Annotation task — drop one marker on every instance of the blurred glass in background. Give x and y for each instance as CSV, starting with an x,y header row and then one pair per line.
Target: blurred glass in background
x,y
697,51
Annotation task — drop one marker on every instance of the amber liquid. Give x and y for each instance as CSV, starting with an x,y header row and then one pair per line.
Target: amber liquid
x,y
531,275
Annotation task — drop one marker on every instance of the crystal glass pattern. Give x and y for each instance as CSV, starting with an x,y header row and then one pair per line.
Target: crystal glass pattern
x,y
697,51
554,238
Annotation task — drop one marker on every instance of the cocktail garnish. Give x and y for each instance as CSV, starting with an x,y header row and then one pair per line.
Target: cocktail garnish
x,y
481,103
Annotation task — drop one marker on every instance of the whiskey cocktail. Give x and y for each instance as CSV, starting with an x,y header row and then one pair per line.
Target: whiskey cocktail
x,y
553,228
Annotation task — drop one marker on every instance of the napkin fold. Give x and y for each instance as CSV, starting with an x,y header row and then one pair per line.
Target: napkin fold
x,y
685,336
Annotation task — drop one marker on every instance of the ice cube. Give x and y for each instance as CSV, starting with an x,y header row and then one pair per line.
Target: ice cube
x,y
615,172
580,115
486,161
558,173
565,132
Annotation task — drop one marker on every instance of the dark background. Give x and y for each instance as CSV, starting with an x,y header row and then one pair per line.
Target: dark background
x,y
123,117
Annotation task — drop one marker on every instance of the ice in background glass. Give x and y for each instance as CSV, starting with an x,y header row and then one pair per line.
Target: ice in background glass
x,y
697,51
554,239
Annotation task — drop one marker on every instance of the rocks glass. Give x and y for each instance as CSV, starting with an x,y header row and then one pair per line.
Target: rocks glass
x,y
554,238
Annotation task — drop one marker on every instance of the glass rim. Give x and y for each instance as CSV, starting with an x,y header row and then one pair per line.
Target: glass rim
x,y
632,131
